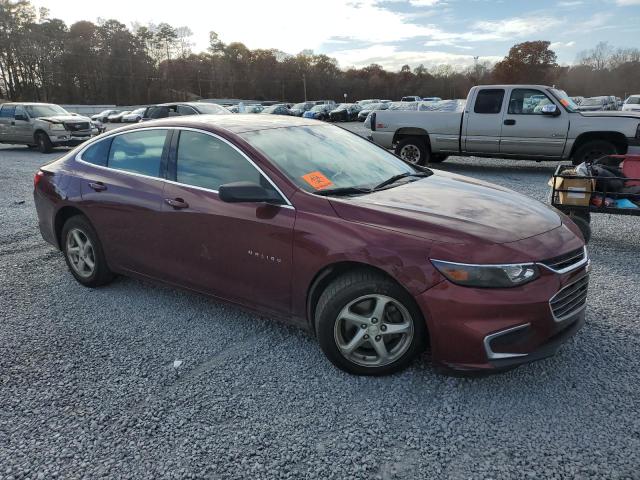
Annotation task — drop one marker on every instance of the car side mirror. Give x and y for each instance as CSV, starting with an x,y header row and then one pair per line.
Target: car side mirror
x,y
20,117
247,192
551,110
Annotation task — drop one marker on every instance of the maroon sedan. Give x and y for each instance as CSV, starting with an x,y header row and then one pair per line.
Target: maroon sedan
x,y
312,224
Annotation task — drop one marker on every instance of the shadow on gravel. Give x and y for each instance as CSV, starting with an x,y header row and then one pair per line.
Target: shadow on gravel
x,y
546,168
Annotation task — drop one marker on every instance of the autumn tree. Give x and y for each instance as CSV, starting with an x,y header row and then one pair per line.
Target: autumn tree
x,y
527,62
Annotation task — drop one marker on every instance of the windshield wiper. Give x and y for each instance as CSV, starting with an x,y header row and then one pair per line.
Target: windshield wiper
x,y
395,178
342,191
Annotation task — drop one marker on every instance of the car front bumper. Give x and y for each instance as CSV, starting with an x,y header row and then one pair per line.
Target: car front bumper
x,y
474,329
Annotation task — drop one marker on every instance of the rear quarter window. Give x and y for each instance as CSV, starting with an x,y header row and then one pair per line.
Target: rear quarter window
x,y
98,153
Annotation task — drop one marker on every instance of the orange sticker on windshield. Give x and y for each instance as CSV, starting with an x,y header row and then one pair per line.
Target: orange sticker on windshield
x,y
564,102
317,180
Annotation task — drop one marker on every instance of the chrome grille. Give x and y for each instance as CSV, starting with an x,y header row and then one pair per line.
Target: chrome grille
x,y
570,300
76,126
565,261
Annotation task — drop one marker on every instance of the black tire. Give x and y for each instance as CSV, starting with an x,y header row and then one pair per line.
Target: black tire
x,y
593,150
352,286
413,150
439,158
101,274
582,222
43,143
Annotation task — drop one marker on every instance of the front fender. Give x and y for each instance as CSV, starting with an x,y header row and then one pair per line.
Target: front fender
x,y
321,241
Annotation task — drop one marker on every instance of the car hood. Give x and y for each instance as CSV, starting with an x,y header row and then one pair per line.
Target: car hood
x,y
609,113
64,118
451,208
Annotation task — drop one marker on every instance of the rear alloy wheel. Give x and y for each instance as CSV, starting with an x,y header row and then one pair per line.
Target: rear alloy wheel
x,y
368,325
43,142
83,253
591,151
413,150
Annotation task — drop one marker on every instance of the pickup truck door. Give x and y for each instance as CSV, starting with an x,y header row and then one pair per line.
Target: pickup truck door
x,y
21,126
483,121
6,118
527,131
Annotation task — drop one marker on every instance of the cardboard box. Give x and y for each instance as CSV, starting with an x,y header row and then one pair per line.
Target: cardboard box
x,y
578,191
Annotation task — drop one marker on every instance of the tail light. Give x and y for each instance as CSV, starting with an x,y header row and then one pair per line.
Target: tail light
x,y
37,177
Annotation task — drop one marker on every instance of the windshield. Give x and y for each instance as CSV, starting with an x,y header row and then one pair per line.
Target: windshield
x,y
319,108
564,99
325,156
211,108
633,101
36,111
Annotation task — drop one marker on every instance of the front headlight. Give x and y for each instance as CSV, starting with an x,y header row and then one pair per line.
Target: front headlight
x,y
488,276
57,127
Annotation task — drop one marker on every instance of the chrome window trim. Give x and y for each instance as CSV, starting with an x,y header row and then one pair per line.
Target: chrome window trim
x,y
78,158
570,268
491,355
573,312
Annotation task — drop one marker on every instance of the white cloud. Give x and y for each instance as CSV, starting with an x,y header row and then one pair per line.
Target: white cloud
x,y
491,31
570,3
561,45
288,25
389,57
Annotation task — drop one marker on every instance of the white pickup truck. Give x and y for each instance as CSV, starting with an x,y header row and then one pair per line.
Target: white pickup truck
x,y
532,122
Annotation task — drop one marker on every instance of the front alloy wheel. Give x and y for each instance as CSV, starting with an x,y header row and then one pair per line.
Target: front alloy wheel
x,y
367,324
373,330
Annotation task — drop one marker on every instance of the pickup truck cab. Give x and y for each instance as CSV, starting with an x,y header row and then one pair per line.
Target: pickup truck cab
x,y
533,122
43,125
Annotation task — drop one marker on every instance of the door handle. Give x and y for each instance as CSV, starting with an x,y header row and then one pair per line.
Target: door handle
x,y
13,122
98,186
176,203
509,121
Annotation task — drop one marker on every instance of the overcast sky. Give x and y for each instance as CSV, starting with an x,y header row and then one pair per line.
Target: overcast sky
x,y
388,32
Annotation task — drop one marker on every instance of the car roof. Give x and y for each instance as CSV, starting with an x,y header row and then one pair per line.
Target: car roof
x,y
231,123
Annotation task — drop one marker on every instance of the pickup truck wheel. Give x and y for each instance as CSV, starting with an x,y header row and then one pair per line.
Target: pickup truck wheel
x,y
413,150
43,142
592,151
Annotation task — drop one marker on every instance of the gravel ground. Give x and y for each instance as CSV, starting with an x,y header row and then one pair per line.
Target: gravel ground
x,y
88,387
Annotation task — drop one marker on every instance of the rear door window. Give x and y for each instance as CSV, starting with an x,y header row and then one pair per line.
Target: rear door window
x,y
489,101
160,111
186,110
138,152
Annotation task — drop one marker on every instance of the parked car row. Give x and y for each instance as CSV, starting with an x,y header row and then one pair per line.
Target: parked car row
x,y
606,103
